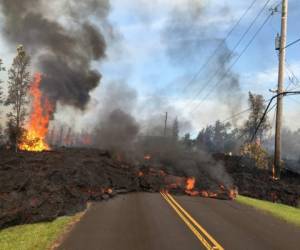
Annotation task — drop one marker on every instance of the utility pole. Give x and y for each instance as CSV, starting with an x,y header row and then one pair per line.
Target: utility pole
x,y
281,76
166,121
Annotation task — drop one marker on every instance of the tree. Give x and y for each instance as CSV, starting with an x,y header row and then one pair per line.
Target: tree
x,y
175,130
205,137
18,86
256,152
220,134
1,82
218,138
187,142
257,109
1,101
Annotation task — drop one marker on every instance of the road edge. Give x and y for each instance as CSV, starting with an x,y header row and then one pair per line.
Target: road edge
x,y
69,227
266,207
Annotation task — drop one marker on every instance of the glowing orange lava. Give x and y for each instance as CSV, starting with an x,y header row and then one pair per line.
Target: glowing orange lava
x,y
37,126
190,183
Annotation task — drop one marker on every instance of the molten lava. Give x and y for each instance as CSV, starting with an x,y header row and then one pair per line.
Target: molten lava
x,y
190,183
37,125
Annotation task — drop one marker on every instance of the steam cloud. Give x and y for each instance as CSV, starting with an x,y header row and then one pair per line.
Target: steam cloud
x,y
63,44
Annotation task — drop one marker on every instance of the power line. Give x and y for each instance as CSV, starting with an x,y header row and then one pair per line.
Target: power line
x,y
273,122
246,132
212,55
232,53
268,110
219,46
289,68
292,43
233,64
241,113
237,115
287,93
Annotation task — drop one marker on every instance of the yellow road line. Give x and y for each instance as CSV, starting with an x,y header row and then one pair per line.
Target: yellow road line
x,y
192,224
191,227
196,223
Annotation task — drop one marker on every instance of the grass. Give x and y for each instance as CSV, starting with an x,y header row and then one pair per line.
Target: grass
x,y
40,236
284,212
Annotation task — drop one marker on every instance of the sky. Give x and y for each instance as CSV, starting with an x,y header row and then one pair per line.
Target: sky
x,y
160,45
146,65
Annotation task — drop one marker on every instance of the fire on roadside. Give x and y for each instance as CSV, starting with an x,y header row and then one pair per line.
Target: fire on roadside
x,y
34,139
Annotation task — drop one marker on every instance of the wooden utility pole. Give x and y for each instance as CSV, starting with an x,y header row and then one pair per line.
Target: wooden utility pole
x,y
281,76
166,121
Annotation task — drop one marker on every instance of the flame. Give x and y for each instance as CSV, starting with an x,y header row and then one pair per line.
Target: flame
x,y
190,183
109,191
233,193
37,126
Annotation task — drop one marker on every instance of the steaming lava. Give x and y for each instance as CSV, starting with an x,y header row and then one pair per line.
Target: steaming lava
x,y
37,187
220,193
37,126
155,180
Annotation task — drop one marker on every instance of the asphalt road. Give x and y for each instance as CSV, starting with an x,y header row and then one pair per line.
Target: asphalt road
x,y
144,221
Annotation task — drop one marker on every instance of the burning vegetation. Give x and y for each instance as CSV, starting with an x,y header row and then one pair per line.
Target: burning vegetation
x,y
36,129
115,156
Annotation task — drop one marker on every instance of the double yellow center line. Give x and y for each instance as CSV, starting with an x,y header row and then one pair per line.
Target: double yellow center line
x,y
203,236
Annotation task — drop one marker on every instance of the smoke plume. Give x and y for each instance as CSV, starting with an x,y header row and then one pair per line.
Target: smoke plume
x,y
116,128
190,37
62,41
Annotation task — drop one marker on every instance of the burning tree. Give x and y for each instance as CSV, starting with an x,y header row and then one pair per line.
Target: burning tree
x,y
34,137
18,85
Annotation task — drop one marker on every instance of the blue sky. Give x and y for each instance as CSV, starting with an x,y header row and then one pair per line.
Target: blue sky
x,y
145,64
157,62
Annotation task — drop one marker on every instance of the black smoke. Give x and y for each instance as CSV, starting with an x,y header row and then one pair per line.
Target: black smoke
x,y
116,127
62,41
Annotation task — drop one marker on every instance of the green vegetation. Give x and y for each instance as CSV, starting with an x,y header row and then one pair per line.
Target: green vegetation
x,y
287,213
40,236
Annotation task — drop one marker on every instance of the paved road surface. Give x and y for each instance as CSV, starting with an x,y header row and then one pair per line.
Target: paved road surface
x,y
143,221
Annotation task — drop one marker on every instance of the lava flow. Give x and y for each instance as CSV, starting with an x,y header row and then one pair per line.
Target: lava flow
x,y
34,139
190,185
